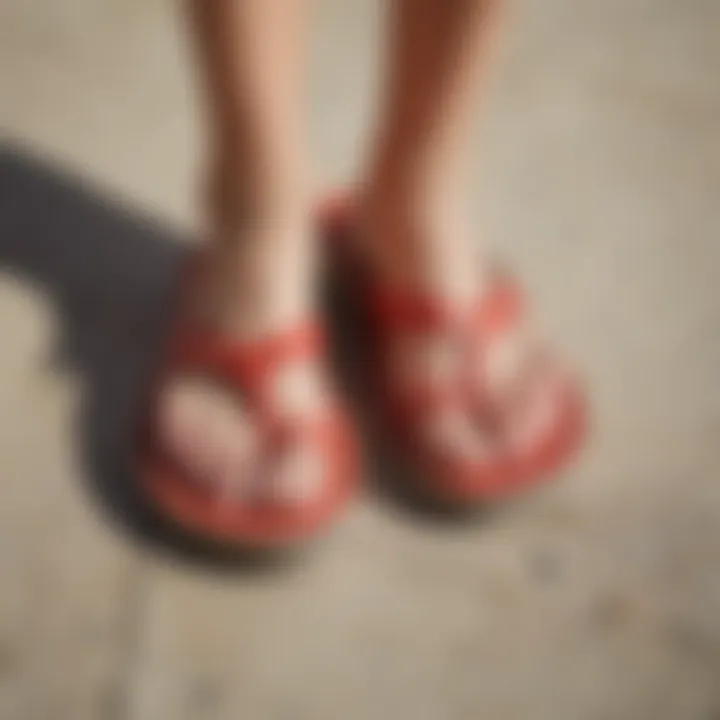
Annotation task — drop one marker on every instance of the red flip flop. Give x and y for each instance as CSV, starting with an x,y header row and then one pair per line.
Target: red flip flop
x,y
442,477
500,310
443,474
248,369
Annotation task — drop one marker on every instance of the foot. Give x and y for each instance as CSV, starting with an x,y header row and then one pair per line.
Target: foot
x,y
246,288
511,389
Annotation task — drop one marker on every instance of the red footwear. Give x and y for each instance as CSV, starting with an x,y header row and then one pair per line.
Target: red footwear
x,y
500,311
248,369
444,475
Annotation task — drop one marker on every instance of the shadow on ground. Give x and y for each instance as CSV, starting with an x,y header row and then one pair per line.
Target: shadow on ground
x,y
109,272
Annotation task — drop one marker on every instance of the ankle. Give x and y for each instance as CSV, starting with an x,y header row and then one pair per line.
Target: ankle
x,y
236,201
259,283
259,257
415,236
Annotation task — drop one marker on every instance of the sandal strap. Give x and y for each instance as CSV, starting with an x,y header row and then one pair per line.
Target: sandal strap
x,y
413,313
399,312
499,310
247,366
412,409
498,313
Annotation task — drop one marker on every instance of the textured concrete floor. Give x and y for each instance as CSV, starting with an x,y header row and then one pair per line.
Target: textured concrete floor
x,y
596,599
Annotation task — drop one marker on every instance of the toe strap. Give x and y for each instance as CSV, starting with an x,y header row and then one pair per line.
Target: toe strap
x,y
501,309
246,366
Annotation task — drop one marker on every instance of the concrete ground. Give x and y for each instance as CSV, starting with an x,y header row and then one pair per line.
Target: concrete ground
x,y
597,598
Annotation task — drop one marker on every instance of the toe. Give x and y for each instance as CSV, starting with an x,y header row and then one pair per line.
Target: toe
x,y
452,433
298,475
208,434
533,421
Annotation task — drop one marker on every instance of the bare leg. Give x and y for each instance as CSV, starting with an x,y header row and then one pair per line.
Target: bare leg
x,y
414,189
251,53
412,207
258,265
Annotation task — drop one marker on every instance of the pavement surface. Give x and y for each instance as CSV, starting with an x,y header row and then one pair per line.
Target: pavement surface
x,y
597,598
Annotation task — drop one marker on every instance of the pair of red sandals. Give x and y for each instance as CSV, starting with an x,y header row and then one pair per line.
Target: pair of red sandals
x,y
249,369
